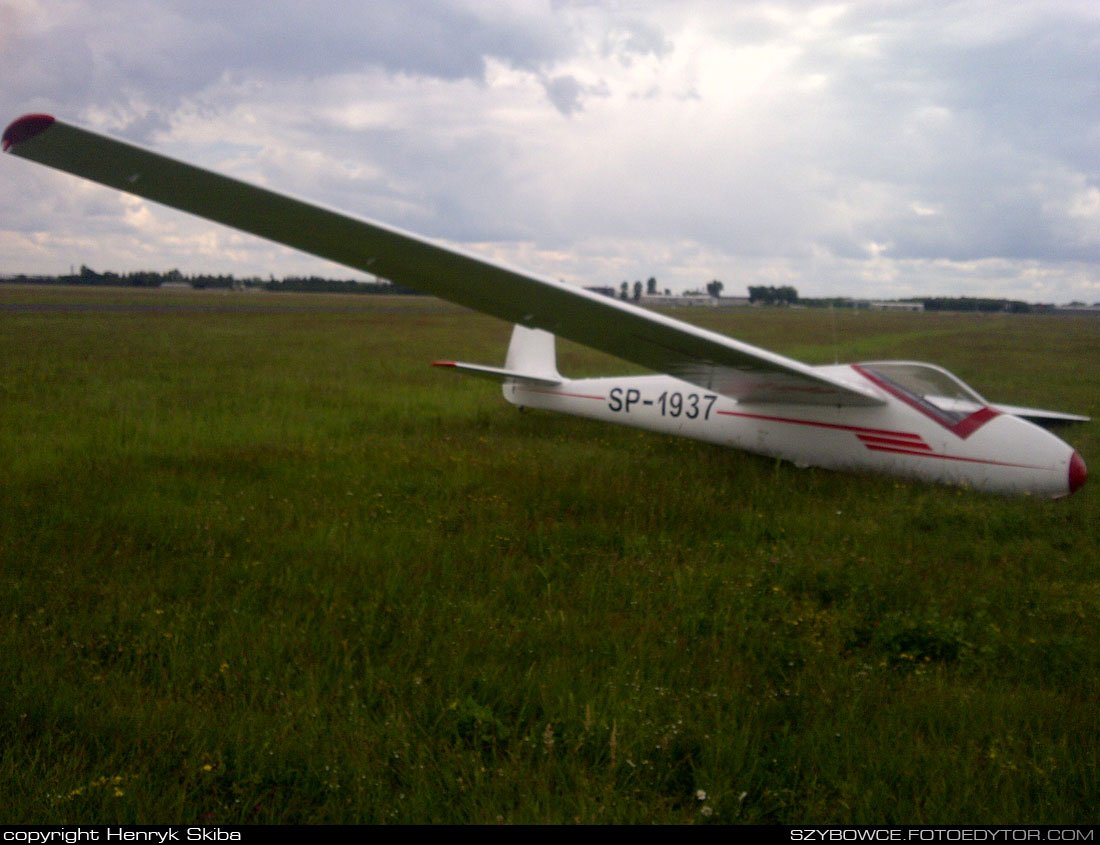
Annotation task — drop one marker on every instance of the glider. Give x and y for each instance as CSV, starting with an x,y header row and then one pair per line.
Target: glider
x,y
900,418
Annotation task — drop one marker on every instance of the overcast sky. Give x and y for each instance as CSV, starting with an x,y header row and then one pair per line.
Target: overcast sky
x,y
873,149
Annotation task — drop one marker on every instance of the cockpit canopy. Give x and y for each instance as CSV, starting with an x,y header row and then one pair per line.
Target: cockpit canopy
x,y
931,389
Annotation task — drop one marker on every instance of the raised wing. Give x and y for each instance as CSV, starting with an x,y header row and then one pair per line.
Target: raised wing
x,y
707,359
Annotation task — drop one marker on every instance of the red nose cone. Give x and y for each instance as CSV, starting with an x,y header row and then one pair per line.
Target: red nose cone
x,y
1077,472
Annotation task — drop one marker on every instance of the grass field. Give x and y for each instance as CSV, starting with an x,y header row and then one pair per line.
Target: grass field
x,y
260,563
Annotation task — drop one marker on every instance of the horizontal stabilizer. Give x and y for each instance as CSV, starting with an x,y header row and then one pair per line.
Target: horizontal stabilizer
x,y
498,373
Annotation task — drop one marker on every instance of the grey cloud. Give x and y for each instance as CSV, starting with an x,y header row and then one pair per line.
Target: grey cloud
x,y
966,115
628,38
440,38
154,55
567,93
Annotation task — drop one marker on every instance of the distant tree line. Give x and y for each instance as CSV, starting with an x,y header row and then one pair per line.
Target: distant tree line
x,y
315,284
966,303
936,303
758,294
154,279
88,276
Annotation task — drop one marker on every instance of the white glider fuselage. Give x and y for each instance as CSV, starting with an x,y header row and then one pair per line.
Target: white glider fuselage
x,y
997,453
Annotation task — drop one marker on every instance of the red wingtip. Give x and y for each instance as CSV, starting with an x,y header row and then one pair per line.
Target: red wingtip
x,y
1077,473
443,363
25,127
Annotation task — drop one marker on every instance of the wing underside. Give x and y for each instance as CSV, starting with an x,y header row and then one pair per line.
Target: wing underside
x,y
1040,416
663,344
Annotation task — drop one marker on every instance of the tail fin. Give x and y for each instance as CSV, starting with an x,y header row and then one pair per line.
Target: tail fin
x,y
533,353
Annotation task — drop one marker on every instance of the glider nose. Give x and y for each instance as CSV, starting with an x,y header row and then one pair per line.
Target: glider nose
x,y
1078,473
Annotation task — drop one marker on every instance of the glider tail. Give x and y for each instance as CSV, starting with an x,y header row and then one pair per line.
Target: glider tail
x,y
532,360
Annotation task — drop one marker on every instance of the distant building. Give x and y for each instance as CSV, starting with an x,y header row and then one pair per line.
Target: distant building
x,y
694,300
895,306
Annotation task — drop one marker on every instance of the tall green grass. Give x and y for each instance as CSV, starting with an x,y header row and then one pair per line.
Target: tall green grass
x,y
262,564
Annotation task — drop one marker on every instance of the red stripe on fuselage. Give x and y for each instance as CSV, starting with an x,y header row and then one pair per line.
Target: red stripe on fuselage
x,y
818,424
562,393
872,440
943,457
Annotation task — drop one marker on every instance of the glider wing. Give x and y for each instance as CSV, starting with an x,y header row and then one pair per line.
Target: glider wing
x,y
704,358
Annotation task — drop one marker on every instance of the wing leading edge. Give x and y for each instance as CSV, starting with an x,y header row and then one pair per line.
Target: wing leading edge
x,y
704,358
